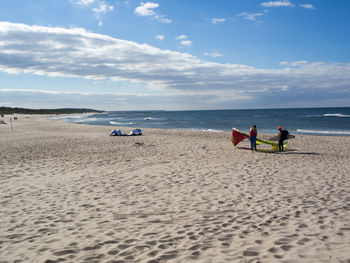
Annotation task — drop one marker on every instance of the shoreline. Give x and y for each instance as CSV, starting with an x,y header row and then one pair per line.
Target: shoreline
x,y
294,131
71,192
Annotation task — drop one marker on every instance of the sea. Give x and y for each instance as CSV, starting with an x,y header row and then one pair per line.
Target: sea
x,y
311,121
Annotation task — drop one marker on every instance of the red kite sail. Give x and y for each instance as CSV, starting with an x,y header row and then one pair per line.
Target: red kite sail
x,y
238,136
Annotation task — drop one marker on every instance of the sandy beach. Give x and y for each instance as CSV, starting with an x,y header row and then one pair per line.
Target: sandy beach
x,y
72,193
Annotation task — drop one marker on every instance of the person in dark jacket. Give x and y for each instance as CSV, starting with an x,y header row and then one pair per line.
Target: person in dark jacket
x,y
282,136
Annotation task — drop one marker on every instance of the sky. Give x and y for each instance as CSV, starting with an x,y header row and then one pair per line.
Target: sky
x,y
174,54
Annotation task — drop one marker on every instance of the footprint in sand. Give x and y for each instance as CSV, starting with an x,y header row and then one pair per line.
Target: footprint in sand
x,y
64,252
249,253
113,252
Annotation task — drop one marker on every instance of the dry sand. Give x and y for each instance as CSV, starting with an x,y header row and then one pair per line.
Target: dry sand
x,y
71,193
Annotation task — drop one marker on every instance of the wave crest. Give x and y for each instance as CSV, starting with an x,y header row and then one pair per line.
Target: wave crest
x,y
336,115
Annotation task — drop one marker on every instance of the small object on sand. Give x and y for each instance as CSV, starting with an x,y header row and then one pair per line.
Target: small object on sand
x,y
134,132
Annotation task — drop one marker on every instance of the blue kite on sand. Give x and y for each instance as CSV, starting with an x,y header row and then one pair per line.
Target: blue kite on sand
x,y
135,132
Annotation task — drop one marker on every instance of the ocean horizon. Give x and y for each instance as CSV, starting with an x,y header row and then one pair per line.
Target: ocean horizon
x,y
333,121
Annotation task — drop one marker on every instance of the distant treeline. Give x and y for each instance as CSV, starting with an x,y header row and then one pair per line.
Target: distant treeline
x,y
9,110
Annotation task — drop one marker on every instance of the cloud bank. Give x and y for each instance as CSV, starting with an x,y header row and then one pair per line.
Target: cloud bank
x,y
53,51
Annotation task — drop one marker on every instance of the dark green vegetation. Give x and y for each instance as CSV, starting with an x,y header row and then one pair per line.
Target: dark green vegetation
x,y
9,110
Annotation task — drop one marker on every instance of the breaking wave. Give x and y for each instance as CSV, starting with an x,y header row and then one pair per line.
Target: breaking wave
x,y
323,132
336,115
121,123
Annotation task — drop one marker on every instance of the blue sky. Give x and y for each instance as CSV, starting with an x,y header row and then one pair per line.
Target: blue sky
x,y
173,55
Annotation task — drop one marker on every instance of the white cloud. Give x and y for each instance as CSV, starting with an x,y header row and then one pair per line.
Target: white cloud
x,y
99,7
298,63
102,8
218,20
294,63
147,9
307,6
160,37
182,37
61,52
250,16
84,2
163,19
243,14
186,42
277,4
213,54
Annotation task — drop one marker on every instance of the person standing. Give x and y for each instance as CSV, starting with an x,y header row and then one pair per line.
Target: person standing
x,y
282,136
253,132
